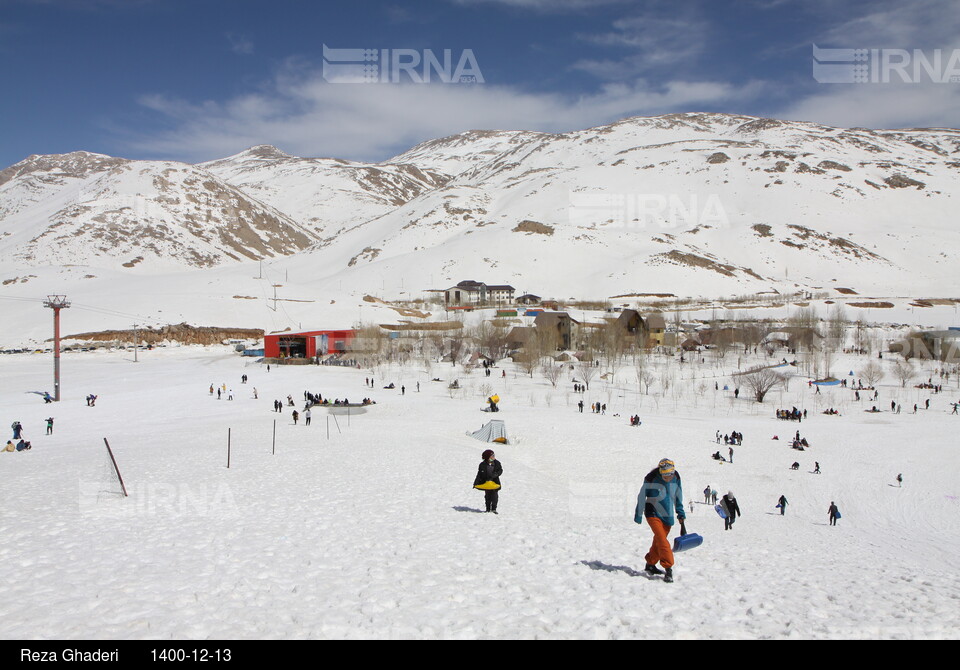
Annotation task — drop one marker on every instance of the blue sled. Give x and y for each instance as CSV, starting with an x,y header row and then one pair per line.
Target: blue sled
x,y
686,542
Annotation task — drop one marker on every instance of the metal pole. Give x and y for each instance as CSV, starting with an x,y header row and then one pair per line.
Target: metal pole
x,y
274,437
56,354
228,448
114,461
56,303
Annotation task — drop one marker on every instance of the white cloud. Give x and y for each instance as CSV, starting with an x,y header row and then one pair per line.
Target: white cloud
x,y
240,44
305,115
879,106
653,45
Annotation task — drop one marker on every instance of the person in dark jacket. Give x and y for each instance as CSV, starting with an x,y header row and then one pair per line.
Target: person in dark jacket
x,y
834,513
730,508
782,504
660,504
489,471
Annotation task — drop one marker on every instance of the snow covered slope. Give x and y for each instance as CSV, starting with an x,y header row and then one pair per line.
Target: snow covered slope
x,y
86,209
324,194
375,532
685,203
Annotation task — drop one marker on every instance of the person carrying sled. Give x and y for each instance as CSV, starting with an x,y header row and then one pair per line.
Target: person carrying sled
x,y
730,508
834,513
660,504
489,471
782,504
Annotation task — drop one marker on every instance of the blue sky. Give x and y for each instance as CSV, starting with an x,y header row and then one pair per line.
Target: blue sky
x,y
200,79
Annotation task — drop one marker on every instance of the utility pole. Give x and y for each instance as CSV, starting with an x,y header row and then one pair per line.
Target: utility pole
x,y
56,303
275,296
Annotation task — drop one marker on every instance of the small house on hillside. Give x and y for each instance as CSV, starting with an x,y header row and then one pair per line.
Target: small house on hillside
x,y
650,330
477,294
559,323
528,299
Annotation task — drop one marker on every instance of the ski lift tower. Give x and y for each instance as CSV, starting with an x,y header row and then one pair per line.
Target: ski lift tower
x,y
56,303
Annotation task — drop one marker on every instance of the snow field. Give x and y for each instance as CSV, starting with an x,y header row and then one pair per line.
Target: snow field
x,y
375,532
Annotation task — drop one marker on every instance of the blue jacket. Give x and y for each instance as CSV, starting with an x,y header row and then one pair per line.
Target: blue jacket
x,y
660,499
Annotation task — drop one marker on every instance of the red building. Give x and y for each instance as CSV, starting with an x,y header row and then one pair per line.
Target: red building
x,y
307,344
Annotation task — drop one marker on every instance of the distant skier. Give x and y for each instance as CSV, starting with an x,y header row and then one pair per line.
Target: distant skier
x,y
834,513
50,425
900,480
782,504
660,498
730,508
816,467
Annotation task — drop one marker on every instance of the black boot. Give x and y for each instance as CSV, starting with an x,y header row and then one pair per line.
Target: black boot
x,y
652,569
668,577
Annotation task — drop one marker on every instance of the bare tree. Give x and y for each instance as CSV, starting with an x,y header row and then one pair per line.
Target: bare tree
x,y
614,339
837,328
904,371
552,372
587,369
872,372
761,381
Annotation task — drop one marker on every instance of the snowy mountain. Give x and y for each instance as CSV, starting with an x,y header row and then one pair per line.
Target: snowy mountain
x,y
324,194
95,210
682,204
